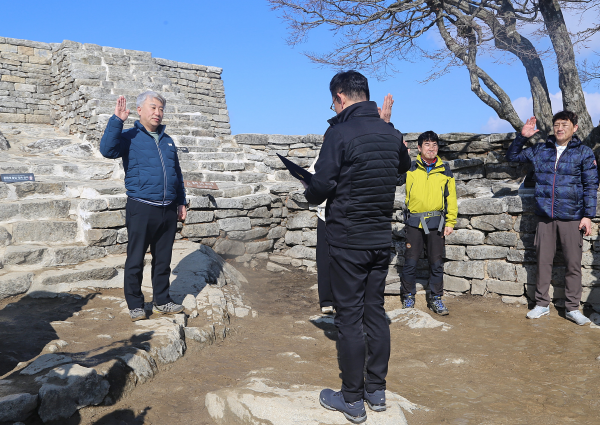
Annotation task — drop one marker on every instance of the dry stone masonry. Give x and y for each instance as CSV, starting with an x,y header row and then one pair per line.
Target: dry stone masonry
x,y
75,86
67,225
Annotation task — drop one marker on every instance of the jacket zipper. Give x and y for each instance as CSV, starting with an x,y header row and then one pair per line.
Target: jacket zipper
x,y
164,173
554,178
162,162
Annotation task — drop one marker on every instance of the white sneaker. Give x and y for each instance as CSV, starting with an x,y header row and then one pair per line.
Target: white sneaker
x,y
577,317
538,312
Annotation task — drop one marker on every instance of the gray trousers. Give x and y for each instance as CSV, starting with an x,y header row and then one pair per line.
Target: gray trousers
x,y
571,241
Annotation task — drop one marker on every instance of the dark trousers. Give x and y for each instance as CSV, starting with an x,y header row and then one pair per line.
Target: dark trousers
x,y
434,243
358,283
571,241
155,227
323,280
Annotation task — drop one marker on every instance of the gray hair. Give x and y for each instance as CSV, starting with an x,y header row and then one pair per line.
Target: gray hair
x,y
152,95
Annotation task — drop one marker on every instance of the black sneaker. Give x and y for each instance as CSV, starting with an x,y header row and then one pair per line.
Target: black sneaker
x,y
408,301
354,412
168,308
375,400
437,306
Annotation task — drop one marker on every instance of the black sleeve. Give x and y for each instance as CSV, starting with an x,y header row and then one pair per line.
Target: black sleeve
x,y
404,164
327,169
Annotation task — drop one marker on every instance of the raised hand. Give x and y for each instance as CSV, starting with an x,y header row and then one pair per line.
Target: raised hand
x,y
121,110
385,112
528,129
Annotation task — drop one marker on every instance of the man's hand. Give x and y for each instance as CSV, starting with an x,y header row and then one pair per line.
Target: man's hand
x,y
121,110
528,129
406,144
181,213
587,224
385,112
448,230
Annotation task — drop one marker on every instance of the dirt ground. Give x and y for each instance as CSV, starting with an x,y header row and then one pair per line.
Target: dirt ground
x,y
493,367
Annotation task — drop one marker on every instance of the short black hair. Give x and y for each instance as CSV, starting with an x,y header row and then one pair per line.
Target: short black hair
x,y
565,115
428,136
352,83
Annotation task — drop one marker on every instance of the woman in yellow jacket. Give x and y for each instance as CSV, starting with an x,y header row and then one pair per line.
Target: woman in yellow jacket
x,y
431,210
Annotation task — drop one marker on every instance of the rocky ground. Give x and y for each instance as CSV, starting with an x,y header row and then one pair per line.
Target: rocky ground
x,y
483,364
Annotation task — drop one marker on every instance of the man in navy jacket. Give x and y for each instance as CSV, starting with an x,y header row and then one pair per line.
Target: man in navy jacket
x,y
156,198
566,184
357,171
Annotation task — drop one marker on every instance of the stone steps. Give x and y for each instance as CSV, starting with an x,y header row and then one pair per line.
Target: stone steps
x,y
29,257
48,282
45,231
35,210
195,141
102,273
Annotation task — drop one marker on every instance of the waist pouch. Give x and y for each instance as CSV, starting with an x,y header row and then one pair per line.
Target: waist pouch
x,y
431,217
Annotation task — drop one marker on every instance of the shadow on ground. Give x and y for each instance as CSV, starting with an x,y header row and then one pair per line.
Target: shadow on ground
x,y
26,326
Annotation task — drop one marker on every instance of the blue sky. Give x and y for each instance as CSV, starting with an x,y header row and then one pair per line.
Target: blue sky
x,y
270,87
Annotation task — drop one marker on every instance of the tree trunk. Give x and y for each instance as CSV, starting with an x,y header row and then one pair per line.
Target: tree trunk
x,y
568,77
508,39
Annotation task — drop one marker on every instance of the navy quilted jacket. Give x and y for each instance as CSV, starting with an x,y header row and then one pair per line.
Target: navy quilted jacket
x,y
151,172
567,191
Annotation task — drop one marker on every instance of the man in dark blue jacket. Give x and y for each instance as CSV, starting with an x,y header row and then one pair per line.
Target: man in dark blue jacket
x,y
356,173
566,184
156,198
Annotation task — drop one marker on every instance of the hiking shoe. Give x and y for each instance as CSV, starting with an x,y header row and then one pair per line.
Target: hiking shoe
x,y
577,317
328,309
354,412
137,314
437,306
408,301
376,400
538,311
168,308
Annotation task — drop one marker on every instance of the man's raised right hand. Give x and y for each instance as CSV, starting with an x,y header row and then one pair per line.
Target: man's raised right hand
x,y
121,110
528,129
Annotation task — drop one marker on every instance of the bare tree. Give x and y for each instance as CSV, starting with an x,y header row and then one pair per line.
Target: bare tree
x,y
376,34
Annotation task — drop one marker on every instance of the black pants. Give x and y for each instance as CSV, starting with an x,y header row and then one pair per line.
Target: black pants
x,y
323,279
434,242
152,226
358,283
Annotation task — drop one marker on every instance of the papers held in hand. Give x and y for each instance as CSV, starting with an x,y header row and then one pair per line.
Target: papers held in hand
x,y
296,170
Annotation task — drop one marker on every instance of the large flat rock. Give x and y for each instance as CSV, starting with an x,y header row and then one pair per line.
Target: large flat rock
x,y
260,401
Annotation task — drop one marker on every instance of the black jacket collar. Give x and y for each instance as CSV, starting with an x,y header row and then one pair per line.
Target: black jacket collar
x,y
360,109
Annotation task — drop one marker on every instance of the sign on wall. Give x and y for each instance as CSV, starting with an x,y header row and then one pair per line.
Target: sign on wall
x,y
16,178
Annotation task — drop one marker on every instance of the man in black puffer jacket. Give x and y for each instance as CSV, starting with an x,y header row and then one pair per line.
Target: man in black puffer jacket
x,y
358,167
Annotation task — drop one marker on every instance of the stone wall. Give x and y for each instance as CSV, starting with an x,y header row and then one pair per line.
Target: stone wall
x,y
259,214
75,86
25,81
203,87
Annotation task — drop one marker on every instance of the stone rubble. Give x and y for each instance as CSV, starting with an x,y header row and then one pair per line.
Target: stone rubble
x,y
210,289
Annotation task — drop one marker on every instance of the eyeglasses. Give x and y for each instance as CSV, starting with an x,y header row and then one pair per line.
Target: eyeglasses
x,y
332,107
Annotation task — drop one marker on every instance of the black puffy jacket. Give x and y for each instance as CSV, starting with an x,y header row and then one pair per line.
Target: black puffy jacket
x,y
357,171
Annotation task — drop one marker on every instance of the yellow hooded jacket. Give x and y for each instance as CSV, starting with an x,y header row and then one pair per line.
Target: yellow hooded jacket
x,y
433,191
